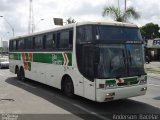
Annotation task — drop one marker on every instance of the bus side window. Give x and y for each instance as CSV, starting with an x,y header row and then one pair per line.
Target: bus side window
x,y
50,41
21,44
38,42
64,40
15,45
28,43
33,42
54,40
84,34
44,42
80,34
70,39
10,45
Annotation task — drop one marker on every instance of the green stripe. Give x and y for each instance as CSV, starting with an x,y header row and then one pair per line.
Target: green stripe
x,y
27,57
50,58
15,56
69,55
110,82
42,57
130,79
29,66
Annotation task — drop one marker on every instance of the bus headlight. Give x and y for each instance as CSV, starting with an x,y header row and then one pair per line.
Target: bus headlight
x,y
110,86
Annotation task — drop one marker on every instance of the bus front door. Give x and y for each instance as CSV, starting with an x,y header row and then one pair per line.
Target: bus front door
x,y
88,68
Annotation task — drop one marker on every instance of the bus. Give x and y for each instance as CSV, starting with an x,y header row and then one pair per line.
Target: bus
x,y
100,61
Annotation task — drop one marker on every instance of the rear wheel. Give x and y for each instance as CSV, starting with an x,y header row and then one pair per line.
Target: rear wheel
x,y
18,73
0,66
68,87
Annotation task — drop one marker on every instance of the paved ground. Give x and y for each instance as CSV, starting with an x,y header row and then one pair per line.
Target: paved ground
x,y
153,67
30,100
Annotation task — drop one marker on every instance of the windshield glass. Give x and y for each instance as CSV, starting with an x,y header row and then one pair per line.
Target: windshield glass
x,y
120,60
136,59
112,61
119,33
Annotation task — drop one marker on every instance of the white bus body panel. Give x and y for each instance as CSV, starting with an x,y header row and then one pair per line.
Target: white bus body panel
x,y
120,93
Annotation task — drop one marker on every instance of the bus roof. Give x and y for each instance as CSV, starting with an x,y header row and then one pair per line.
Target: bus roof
x,y
112,23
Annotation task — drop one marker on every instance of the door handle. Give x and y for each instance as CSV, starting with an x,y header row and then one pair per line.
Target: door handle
x,y
80,82
90,84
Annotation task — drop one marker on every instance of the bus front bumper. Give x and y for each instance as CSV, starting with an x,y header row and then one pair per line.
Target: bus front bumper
x,y
120,93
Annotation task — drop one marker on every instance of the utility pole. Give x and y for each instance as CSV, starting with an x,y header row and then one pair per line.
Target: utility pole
x,y
31,18
118,5
125,5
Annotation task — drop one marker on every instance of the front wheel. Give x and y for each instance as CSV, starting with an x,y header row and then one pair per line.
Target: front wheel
x,y
68,87
18,73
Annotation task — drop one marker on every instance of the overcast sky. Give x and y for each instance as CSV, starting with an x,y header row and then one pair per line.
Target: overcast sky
x,y
17,13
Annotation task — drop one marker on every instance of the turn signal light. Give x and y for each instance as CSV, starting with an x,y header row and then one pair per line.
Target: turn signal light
x,y
144,89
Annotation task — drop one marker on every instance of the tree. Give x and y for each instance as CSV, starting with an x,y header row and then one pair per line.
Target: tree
x,y
150,31
118,14
70,21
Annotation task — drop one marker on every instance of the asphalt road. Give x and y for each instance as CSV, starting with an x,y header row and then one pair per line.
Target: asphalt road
x,y
31,100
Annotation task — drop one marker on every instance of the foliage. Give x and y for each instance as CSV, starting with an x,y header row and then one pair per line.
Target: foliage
x,y
1,48
70,21
150,31
120,15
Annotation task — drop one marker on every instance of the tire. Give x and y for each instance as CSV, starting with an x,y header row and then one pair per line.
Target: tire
x,y
18,73
22,74
68,87
0,66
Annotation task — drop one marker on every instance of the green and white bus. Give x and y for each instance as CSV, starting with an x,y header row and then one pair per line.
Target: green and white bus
x,y
101,61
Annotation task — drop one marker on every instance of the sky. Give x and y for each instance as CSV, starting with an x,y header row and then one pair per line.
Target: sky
x,y
16,12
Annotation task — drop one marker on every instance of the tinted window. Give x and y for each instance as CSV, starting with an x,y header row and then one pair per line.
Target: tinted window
x,y
119,33
70,38
10,45
15,46
84,34
50,40
64,40
28,43
38,42
21,44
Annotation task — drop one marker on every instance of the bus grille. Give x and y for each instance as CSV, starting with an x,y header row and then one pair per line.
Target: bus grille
x,y
128,83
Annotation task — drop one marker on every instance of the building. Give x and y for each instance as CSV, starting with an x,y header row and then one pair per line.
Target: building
x,y
153,49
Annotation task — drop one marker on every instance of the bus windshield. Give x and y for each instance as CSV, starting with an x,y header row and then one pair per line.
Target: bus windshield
x,y
120,60
112,61
119,33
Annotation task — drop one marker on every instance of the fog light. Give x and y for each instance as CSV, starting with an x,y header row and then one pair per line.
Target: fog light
x,y
144,89
109,99
110,94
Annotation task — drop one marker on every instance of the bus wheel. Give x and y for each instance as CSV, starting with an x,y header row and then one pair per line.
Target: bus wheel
x,y
22,74
18,73
68,87
0,66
